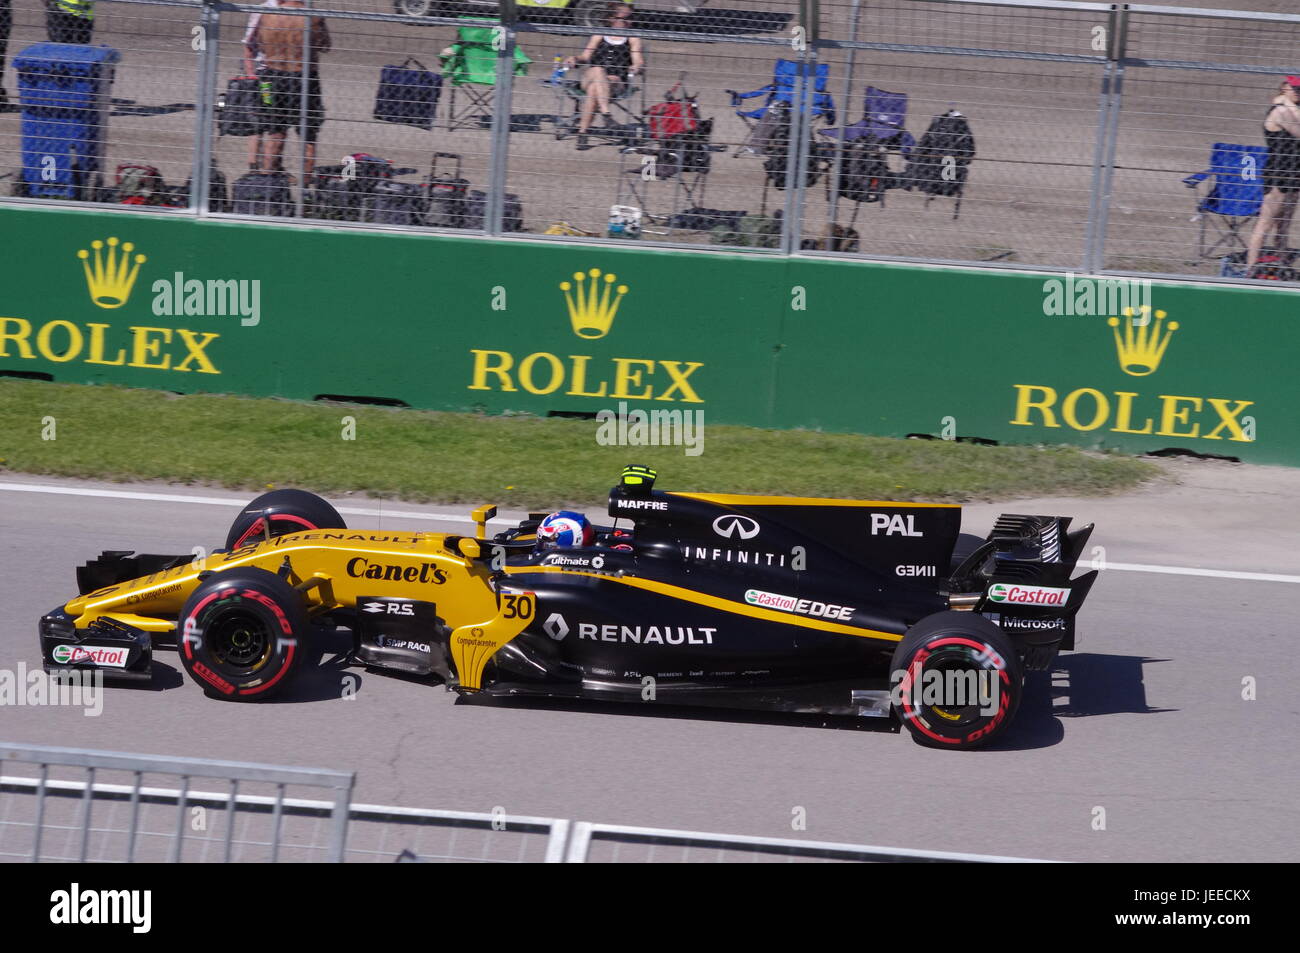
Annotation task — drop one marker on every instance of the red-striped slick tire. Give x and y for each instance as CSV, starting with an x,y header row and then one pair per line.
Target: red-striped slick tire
x,y
288,511
960,643
240,634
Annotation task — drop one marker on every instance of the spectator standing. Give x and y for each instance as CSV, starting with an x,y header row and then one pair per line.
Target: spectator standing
x,y
253,60
70,21
1281,172
285,80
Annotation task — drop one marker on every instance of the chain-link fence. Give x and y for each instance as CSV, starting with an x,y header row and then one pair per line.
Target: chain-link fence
x,y
1033,133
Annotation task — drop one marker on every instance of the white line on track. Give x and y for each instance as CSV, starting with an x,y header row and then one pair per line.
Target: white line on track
x,y
461,518
215,501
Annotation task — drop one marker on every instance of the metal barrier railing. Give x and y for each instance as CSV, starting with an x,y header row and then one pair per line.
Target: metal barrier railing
x,y
1087,118
68,806
174,825
608,842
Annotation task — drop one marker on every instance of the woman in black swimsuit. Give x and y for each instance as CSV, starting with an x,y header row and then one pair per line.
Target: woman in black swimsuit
x,y
1281,171
611,62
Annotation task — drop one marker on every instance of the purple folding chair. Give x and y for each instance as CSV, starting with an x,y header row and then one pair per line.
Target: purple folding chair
x,y
883,115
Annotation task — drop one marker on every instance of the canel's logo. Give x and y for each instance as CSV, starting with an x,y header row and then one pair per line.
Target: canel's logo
x,y
592,304
731,525
1142,345
111,276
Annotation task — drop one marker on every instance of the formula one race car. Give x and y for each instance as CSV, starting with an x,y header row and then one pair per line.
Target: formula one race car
x,y
873,609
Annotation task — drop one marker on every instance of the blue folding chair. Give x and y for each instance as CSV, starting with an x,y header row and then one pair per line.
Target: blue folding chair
x,y
1234,196
783,88
883,116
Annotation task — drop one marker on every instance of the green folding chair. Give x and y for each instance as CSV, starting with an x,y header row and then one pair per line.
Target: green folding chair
x,y
469,66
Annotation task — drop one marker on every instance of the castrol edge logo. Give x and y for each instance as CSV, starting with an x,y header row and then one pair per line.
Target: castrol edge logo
x,y
1027,595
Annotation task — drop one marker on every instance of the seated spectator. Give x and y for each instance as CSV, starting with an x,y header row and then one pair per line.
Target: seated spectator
x,y
612,62
1281,172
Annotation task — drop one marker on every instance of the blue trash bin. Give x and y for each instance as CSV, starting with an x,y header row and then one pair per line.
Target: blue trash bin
x,y
65,92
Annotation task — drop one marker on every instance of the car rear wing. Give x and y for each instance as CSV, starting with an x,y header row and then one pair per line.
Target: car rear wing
x,y
1020,578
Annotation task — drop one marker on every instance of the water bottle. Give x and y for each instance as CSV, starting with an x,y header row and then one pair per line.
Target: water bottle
x,y
557,74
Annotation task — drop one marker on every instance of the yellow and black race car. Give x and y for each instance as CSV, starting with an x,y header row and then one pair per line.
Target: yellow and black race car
x,y
874,609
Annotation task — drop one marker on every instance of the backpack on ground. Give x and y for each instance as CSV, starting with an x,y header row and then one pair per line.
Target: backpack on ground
x,y
777,151
673,119
704,219
239,108
140,184
941,160
512,219
395,203
843,239
218,195
263,193
864,171
752,231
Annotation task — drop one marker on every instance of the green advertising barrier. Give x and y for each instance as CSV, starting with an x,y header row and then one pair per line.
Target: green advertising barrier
x,y
476,324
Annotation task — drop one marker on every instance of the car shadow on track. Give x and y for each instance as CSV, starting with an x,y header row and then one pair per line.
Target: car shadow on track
x,y
328,674
689,712
1077,686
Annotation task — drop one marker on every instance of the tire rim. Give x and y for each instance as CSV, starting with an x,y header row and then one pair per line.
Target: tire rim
x,y
241,641
415,8
952,720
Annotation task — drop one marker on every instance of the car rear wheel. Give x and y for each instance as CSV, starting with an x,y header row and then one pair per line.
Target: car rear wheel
x,y
280,512
957,680
588,13
240,634
415,8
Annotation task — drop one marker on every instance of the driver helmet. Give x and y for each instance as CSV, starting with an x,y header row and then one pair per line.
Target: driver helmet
x,y
565,528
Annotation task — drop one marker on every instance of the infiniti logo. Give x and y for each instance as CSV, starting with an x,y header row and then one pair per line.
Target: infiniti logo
x,y
739,526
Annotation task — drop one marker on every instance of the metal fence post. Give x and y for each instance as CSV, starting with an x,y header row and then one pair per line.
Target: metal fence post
x,y
304,84
1103,170
841,117
501,113
800,127
204,101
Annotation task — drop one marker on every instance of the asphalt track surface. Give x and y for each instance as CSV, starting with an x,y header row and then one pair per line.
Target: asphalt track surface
x,y
1146,720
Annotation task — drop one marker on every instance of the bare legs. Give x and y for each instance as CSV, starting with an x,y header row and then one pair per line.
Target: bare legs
x,y
1275,214
598,86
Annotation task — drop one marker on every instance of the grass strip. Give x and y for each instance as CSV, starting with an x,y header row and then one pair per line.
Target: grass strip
x,y
121,434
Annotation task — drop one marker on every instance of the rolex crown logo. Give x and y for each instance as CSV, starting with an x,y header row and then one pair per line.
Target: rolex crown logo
x,y
112,274
592,303
1142,345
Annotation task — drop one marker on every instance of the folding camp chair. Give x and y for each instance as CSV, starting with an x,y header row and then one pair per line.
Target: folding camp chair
x,y
628,99
783,89
1234,197
470,67
883,115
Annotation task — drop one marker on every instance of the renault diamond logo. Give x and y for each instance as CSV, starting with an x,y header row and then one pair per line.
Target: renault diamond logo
x,y
731,525
555,626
